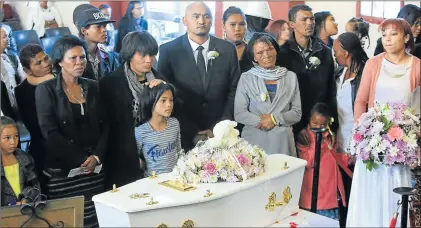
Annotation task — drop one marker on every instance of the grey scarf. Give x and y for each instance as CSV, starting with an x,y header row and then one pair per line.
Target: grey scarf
x,y
272,74
136,88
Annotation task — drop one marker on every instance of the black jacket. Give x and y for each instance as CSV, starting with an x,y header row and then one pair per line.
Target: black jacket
x,y
108,63
124,27
122,157
316,85
56,122
202,106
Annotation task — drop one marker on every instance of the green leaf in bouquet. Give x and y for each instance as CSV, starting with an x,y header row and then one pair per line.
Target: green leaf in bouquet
x,y
387,124
370,165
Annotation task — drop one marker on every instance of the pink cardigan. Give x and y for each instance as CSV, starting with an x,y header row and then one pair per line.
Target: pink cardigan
x,y
330,178
367,90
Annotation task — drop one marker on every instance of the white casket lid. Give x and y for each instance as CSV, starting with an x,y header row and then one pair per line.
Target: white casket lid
x,y
168,197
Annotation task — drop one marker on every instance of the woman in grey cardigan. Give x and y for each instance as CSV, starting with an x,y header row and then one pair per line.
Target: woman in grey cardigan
x,y
267,100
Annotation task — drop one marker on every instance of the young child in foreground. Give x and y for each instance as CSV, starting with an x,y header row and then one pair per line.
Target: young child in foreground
x,y
331,187
18,174
158,140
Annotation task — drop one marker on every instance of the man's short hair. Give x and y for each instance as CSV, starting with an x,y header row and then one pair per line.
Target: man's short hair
x,y
292,13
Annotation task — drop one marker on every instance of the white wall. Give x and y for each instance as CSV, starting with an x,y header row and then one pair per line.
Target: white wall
x,y
65,9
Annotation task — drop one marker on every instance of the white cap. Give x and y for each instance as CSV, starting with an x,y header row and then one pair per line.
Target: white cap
x,y
259,9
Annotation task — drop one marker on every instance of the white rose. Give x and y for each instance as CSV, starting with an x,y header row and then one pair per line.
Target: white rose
x,y
223,174
213,55
263,97
314,61
190,163
213,179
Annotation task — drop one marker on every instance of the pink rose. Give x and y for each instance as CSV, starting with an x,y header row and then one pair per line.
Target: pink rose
x,y
395,133
210,168
243,159
358,137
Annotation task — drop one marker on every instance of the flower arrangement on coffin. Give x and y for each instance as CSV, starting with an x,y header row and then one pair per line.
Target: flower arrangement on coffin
x,y
387,134
226,157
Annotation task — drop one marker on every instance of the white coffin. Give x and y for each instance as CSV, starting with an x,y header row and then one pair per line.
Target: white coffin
x,y
241,204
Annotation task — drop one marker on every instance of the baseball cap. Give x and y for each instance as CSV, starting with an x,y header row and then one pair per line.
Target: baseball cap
x,y
87,14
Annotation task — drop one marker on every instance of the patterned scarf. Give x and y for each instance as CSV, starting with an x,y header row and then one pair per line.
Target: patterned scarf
x,y
136,88
273,74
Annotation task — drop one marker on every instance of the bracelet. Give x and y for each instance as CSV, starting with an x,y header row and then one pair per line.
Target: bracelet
x,y
273,119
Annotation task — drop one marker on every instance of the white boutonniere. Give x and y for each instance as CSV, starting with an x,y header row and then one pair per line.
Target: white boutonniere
x,y
314,62
213,55
264,96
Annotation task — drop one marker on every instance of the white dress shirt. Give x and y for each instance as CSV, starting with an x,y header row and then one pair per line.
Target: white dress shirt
x,y
345,112
205,50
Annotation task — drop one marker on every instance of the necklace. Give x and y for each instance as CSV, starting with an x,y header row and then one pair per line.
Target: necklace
x,y
82,110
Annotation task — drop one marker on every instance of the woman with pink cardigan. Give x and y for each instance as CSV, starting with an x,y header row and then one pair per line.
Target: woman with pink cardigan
x,y
391,76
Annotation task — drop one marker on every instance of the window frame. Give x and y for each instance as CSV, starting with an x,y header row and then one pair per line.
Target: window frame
x,y
371,19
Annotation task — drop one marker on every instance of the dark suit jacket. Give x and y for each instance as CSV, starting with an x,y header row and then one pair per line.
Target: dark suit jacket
x,y
201,106
122,158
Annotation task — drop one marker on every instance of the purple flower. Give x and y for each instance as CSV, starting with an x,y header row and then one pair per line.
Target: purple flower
x,y
401,145
389,160
400,157
364,155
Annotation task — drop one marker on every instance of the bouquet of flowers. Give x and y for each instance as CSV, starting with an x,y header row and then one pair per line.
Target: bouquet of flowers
x,y
226,157
387,134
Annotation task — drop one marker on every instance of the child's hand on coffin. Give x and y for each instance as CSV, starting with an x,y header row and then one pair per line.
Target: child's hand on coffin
x,y
89,165
208,133
266,122
198,138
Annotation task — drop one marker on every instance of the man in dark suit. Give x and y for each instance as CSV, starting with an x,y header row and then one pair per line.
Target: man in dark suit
x,y
205,71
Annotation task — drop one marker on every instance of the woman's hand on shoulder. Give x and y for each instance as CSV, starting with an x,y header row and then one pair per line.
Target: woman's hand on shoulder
x,y
154,83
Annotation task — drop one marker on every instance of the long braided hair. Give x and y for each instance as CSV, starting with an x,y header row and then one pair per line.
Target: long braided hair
x,y
351,43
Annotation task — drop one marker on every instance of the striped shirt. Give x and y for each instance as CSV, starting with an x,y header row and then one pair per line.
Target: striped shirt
x,y
160,148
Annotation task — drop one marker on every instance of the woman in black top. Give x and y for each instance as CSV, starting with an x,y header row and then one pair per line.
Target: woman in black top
x,y
120,93
411,14
234,26
133,20
71,120
325,27
37,66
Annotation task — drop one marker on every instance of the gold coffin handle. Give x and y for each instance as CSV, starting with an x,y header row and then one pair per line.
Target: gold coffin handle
x,y
188,224
286,197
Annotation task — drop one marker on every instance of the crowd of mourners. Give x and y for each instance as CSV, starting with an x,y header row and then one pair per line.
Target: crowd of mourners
x,y
106,107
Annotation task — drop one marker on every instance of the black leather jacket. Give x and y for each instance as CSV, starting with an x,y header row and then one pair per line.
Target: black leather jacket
x,y
58,127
